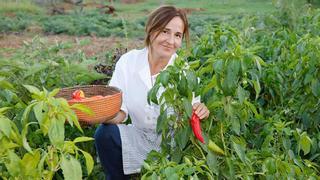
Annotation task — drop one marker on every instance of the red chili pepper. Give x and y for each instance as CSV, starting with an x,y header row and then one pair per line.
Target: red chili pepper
x,y
78,94
196,128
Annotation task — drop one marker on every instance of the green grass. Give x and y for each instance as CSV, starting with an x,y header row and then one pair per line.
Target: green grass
x,y
206,7
19,6
129,19
213,8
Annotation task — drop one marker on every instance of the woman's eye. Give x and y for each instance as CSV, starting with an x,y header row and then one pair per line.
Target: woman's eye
x,y
165,31
178,35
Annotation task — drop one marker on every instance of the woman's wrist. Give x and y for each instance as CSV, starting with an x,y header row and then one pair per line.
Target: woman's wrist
x,y
118,119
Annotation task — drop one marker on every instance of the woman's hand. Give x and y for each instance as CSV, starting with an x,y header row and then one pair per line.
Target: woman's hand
x,y
201,110
118,119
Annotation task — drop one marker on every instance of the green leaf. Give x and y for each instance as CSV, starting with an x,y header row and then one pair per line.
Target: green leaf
x,y
194,64
71,115
161,121
56,132
45,124
39,111
154,176
189,171
54,92
89,161
26,113
267,140
231,79
15,134
146,166
170,173
176,154
13,166
212,162
164,78
71,169
183,86
32,89
187,106
259,62
4,109
195,177
24,137
30,162
252,108
42,160
152,94
182,136
286,143
218,66
83,108
241,94
82,139
315,86
231,168
69,147
308,78
228,108
257,88
212,83
239,148
204,69
192,80
6,85
146,176
269,165
235,122
305,143
5,126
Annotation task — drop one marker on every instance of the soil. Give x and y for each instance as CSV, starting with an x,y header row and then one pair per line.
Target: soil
x,y
94,46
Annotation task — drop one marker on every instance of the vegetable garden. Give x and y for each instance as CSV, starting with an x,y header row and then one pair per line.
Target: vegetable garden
x,y
258,75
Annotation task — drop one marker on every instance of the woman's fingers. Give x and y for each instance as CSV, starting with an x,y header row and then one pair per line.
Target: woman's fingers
x,y
204,113
195,106
201,110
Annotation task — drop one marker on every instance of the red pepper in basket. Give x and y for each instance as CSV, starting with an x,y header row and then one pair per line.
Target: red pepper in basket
x,y
196,128
78,94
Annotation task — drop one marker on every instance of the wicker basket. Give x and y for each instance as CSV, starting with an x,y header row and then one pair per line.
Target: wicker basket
x,y
104,108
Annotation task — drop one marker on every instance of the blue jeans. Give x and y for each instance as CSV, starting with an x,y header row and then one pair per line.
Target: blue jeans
x,y
108,145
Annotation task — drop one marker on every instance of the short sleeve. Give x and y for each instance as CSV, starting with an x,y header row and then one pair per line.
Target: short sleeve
x,y
195,99
118,80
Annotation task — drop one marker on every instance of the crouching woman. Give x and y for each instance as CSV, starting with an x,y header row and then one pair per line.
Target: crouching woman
x,y
123,148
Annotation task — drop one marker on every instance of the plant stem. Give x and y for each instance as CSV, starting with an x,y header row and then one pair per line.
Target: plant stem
x,y
203,156
222,138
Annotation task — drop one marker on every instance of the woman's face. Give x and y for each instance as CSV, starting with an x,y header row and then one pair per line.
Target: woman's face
x,y
169,40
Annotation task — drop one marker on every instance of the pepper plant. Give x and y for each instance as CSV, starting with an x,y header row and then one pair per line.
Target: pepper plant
x,y
35,147
262,89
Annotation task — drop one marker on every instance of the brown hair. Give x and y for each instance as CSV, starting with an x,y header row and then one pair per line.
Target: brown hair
x,y
159,18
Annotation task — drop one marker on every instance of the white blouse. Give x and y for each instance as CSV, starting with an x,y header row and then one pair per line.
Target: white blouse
x,y
132,75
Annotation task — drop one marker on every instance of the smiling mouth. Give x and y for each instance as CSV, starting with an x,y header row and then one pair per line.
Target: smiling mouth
x,y
167,47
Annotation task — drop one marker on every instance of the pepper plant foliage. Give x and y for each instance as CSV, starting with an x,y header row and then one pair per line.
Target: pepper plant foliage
x,y
40,137
260,81
35,147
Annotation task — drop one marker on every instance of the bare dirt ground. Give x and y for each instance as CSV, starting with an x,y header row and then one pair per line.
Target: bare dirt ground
x,y
90,45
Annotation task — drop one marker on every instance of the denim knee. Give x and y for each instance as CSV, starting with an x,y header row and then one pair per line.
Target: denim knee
x,y
107,134
108,144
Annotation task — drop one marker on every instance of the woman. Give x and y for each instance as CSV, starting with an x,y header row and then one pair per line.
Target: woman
x,y
123,148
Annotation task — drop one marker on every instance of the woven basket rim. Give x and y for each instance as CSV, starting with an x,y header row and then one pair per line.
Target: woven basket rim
x,y
118,92
88,86
111,101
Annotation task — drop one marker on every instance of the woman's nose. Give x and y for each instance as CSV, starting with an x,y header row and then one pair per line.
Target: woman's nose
x,y
170,39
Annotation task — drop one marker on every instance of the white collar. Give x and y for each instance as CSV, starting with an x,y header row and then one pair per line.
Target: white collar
x,y
144,72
